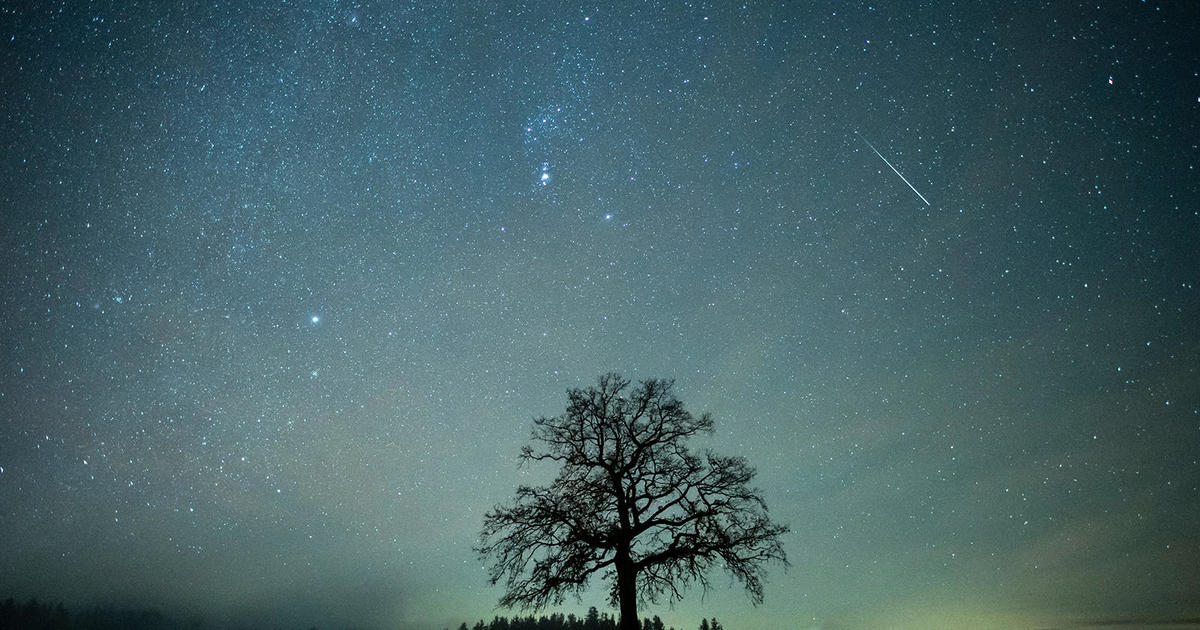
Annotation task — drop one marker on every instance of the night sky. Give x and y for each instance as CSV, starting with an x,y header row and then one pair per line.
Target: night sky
x,y
284,284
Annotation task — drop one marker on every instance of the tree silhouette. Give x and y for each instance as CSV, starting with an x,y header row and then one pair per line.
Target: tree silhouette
x,y
630,502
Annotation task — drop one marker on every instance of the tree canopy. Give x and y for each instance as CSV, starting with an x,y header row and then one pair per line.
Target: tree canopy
x,y
631,503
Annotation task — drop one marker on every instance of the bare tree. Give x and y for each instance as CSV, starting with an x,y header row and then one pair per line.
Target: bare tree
x,y
631,503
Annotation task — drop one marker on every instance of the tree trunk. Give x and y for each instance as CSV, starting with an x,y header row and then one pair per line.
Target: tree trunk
x,y
623,561
627,591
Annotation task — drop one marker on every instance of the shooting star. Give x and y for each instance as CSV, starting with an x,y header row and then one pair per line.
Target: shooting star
x,y
885,161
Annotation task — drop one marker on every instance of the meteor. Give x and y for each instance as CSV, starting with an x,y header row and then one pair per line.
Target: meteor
x,y
885,161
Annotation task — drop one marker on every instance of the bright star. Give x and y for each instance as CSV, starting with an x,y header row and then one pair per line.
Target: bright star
x,y
316,319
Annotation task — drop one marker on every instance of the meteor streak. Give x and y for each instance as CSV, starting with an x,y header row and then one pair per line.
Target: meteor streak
x,y
885,161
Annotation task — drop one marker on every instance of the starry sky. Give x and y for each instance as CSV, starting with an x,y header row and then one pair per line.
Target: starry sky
x,y
284,283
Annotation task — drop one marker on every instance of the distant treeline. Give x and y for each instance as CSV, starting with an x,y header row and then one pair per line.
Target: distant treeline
x,y
594,620
35,615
